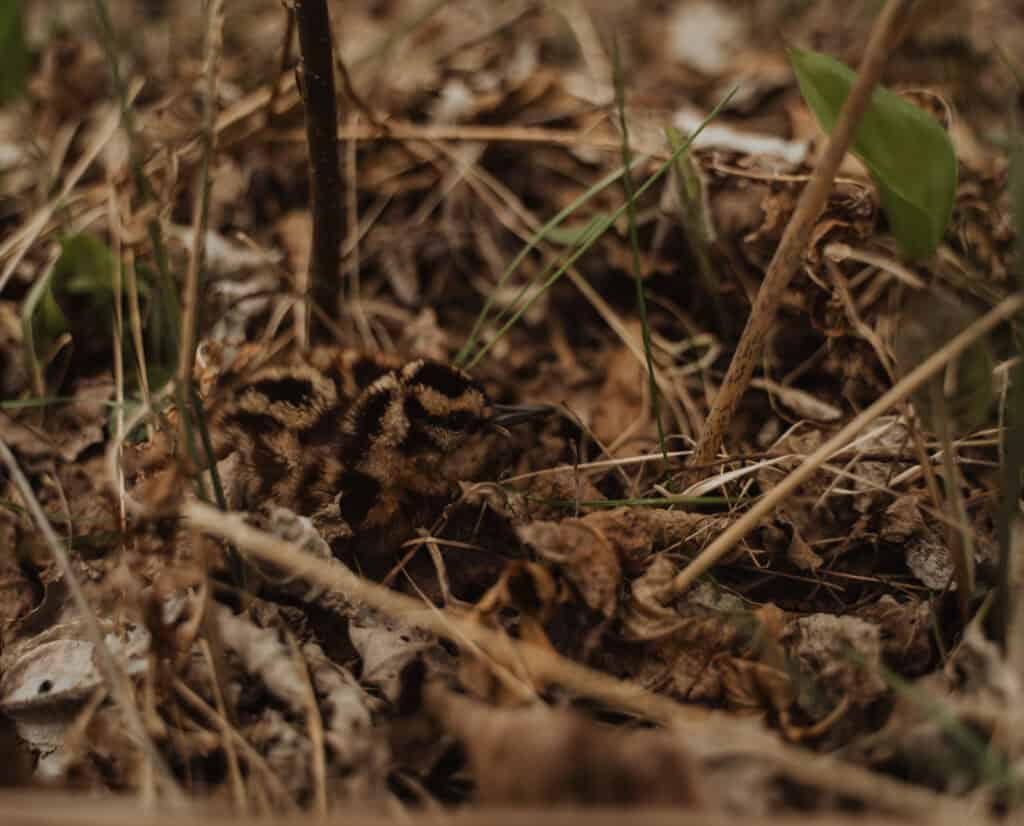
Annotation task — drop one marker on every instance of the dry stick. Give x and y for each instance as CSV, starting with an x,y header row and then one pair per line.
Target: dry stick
x,y
201,200
961,543
475,133
314,730
257,763
200,209
286,58
317,73
1003,311
113,676
790,252
545,666
237,784
355,99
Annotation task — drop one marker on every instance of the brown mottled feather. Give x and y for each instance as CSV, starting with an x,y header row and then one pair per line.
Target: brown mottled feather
x,y
364,445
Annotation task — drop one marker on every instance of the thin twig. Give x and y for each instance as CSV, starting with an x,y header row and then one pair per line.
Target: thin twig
x,y
354,97
212,43
237,784
213,40
257,763
287,41
167,285
792,247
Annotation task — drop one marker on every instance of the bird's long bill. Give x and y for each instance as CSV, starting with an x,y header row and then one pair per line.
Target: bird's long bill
x,y
506,415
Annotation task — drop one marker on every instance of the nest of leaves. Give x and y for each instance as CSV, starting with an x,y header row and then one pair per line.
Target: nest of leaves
x,y
832,625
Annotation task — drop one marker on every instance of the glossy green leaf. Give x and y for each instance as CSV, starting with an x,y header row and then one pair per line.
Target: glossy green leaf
x,y
907,152
15,60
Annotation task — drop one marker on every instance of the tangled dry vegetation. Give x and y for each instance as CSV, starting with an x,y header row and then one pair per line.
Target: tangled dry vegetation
x,y
532,642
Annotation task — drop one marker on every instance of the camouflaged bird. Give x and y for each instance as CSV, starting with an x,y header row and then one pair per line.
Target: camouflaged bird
x,y
369,447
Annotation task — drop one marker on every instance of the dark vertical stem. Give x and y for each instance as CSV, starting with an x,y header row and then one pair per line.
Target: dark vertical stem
x,y
317,83
1007,610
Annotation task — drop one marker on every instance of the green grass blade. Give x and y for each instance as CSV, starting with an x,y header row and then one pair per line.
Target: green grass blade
x,y
611,219
696,224
592,228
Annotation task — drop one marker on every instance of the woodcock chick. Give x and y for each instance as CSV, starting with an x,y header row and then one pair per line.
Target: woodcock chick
x,y
369,447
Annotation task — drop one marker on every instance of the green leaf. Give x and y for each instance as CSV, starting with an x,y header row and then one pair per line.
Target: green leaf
x,y
85,270
77,294
907,152
15,60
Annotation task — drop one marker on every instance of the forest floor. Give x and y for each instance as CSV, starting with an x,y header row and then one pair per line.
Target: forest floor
x,y
533,640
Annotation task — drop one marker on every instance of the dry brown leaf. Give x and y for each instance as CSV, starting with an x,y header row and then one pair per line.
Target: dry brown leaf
x,y
754,687
638,531
72,75
19,594
801,554
644,616
907,630
359,757
586,556
620,401
67,430
387,647
976,696
522,601
49,679
901,520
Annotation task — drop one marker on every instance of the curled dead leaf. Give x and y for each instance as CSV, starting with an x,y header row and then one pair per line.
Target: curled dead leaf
x,y
801,554
755,687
